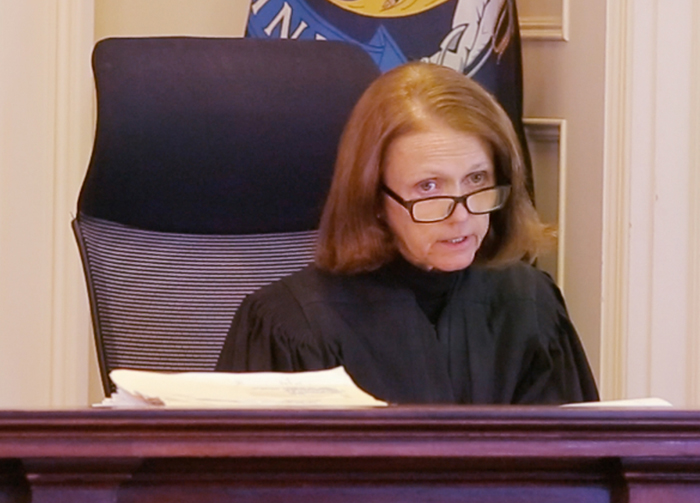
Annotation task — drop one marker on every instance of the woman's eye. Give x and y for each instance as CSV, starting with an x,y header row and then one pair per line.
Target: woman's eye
x,y
478,178
427,186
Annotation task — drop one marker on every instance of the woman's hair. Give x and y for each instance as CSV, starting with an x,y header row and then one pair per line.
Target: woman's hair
x,y
353,236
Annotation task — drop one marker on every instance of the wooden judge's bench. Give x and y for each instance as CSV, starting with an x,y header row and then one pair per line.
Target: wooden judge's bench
x,y
397,454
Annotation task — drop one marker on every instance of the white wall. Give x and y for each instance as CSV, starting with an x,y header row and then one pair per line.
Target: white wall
x,y
216,18
45,135
651,234
564,78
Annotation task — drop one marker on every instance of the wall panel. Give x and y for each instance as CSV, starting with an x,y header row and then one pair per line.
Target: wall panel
x,y
564,79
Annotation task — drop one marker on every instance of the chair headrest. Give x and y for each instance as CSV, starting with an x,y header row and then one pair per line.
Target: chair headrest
x,y
217,135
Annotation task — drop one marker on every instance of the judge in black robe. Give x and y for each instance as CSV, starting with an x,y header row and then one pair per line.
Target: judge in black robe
x,y
424,300
498,336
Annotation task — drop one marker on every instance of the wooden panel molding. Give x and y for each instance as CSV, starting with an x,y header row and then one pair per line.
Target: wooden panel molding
x,y
651,271
616,210
73,94
548,173
547,20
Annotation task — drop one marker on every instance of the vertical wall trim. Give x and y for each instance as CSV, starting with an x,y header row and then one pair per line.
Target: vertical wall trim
x,y
561,239
73,105
540,130
651,240
616,201
693,364
565,20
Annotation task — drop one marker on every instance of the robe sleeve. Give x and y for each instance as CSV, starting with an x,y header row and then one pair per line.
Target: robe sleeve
x,y
270,332
555,370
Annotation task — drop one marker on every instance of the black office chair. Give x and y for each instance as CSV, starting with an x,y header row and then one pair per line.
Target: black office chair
x,y
211,162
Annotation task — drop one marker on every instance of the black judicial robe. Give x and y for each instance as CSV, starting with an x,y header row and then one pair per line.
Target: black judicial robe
x,y
503,337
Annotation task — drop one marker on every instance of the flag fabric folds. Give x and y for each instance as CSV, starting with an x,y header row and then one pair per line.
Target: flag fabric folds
x,y
479,38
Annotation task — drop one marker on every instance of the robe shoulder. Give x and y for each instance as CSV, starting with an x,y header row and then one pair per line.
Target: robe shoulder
x,y
531,317
515,282
270,332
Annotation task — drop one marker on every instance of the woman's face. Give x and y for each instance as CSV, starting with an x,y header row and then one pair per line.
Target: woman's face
x,y
438,161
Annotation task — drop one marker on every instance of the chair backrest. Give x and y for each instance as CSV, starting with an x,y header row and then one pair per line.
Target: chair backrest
x,y
211,163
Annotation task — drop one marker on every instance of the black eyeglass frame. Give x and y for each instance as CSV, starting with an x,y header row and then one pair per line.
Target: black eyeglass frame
x,y
457,200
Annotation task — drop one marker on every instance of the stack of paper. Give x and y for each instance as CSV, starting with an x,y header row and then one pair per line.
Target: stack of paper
x,y
631,402
318,389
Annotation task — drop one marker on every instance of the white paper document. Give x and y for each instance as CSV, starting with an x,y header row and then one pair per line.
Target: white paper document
x,y
252,390
632,403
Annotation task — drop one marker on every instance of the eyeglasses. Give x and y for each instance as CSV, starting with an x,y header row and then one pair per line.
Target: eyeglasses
x,y
439,208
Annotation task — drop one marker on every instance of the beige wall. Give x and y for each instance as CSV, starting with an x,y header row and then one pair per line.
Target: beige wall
x,y
125,18
564,78
25,205
45,136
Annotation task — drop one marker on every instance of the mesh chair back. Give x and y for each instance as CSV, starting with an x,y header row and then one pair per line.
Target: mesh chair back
x,y
164,301
211,163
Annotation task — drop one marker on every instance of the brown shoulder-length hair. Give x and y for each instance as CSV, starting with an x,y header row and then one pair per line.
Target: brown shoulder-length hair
x,y
353,236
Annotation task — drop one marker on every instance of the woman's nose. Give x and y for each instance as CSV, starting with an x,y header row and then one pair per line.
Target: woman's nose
x,y
460,212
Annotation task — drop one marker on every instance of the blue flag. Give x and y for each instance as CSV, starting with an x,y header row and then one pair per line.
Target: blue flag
x,y
479,38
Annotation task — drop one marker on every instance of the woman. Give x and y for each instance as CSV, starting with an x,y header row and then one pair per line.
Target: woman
x,y
419,289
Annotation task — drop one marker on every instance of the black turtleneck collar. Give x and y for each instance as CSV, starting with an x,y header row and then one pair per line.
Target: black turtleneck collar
x,y
431,288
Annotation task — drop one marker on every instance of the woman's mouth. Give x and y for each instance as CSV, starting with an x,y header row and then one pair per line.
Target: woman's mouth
x,y
460,240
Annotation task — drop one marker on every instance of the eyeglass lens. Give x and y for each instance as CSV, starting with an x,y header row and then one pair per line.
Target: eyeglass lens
x,y
432,210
